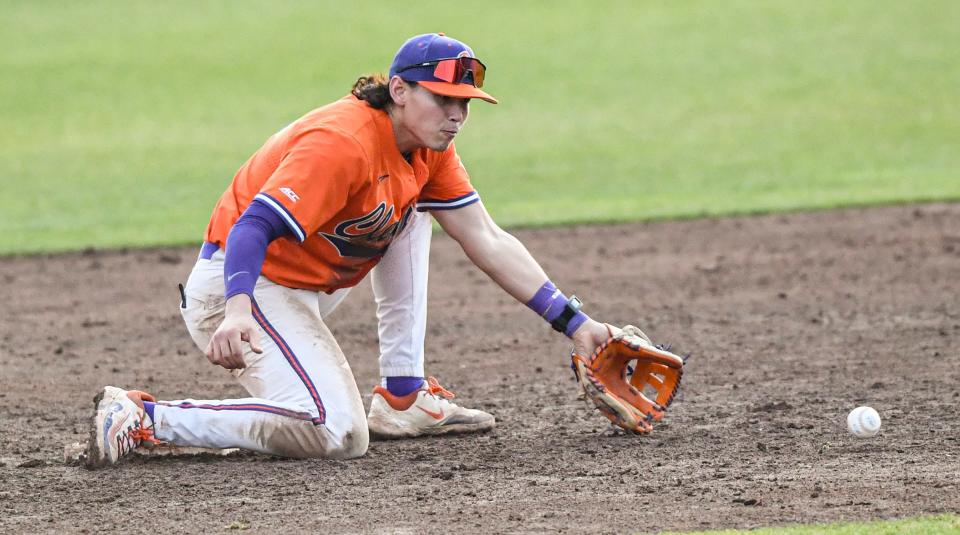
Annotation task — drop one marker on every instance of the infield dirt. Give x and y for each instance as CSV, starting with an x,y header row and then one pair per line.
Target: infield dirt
x,y
792,321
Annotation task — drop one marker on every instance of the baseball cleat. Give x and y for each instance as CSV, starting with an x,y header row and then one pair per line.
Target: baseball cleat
x,y
118,426
428,411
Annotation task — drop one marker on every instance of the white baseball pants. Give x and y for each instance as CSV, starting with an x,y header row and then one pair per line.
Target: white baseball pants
x,y
303,399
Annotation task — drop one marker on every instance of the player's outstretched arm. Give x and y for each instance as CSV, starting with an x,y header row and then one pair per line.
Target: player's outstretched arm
x,y
505,260
493,250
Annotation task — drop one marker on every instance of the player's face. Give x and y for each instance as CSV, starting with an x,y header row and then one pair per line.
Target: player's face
x,y
434,120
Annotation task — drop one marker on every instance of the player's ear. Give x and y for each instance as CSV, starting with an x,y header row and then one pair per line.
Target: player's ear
x,y
399,91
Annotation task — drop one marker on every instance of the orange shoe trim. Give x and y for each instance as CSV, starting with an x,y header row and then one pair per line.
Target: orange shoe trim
x,y
397,403
402,403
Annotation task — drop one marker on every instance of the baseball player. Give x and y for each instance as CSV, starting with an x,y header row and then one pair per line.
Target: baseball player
x,y
346,190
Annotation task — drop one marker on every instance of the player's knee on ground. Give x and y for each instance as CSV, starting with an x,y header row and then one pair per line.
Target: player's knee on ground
x,y
350,444
322,442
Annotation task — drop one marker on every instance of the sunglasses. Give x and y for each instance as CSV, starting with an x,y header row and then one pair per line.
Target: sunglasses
x,y
454,70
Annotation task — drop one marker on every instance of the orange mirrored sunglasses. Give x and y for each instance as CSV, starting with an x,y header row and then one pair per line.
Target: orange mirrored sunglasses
x,y
455,70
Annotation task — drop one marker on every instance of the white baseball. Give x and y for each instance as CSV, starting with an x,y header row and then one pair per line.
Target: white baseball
x,y
863,422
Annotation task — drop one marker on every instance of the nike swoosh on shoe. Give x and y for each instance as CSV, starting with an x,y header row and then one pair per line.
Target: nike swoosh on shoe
x,y
434,415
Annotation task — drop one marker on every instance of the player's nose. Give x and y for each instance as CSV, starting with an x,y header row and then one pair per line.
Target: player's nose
x,y
457,112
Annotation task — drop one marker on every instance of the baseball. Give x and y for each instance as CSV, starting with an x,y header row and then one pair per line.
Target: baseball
x,y
863,422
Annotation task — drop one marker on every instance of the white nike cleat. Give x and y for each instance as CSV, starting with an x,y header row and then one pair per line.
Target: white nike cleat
x,y
118,426
425,412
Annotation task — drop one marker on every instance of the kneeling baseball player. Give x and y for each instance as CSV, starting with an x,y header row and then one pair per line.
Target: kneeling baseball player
x,y
345,190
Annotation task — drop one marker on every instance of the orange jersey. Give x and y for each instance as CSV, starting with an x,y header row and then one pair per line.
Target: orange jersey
x,y
338,180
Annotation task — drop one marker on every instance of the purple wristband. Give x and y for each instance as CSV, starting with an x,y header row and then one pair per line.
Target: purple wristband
x,y
546,299
575,323
549,303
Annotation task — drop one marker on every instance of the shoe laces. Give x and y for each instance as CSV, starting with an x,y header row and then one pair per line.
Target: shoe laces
x,y
132,437
144,434
434,389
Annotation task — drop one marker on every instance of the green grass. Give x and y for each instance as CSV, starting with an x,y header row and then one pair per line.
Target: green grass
x,y
122,122
932,525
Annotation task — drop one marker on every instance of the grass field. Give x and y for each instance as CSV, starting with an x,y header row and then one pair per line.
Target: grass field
x,y
935,525
121,123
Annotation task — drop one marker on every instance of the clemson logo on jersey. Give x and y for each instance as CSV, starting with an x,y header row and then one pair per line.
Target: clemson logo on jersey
x,y
369,235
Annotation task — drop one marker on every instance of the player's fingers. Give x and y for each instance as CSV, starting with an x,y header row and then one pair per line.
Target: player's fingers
x,y
253,337
221,349
212,346
231,349
214,352
234,357
223,353
209,351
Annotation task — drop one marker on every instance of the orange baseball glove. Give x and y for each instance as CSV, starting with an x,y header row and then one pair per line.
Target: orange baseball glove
x,y
623,372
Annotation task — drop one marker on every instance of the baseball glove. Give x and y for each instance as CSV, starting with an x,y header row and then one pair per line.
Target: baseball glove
x,y
623,372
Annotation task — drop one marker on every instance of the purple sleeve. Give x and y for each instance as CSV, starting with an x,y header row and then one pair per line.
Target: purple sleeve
x,y
247,247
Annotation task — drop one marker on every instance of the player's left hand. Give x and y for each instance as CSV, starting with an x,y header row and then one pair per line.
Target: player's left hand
x,y
590,335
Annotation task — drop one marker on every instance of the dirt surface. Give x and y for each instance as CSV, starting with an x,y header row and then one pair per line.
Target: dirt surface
x,y
792,320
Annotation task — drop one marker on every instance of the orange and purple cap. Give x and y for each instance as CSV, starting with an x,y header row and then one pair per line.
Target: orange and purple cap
x,y
442,65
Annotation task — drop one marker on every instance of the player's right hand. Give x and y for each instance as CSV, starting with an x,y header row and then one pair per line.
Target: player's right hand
x,y
590,335
238,326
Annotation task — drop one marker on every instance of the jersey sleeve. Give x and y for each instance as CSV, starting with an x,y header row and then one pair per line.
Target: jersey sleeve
x,y
314,179
449,185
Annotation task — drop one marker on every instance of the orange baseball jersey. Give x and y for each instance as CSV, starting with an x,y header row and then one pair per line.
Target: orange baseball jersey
x,y
338,180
